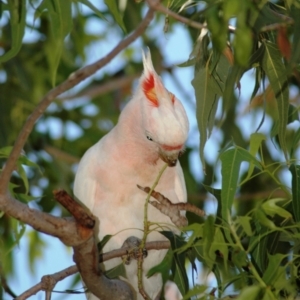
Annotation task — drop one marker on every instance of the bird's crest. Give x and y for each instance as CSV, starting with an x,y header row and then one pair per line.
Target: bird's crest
x,y
151,83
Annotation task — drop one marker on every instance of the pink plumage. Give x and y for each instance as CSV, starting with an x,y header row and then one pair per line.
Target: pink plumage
x,y
152,129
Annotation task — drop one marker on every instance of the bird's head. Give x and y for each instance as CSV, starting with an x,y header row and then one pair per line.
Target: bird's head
x,y
165,122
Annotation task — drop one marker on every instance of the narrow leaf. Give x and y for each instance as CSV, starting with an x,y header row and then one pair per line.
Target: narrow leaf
x,y
60,16
93,8
17,11
113,8
250,293
271,208
244,221
274,261
231,161
207,93
117,271
295,170
274,68
255,142
163,267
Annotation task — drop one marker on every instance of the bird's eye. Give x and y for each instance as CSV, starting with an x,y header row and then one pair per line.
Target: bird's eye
x,y
149,138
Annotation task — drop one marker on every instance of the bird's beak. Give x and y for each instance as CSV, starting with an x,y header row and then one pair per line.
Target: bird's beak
x,y
169,158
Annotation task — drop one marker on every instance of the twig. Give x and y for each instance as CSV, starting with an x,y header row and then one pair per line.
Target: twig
x,y
159,7
4,285
73,79
60,154
56,277
156,5
111,85
61,275
146,230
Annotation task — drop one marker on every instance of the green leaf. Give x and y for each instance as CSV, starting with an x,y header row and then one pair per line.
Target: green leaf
x,y
113,8
219,244
197,232
23,176
295,170
207,93
274,68
255,143
239,258
270,274
245,222
60,17
258,244
242,45
103,242
5,151
208,239
179,275
93,8
196,290
295,142
264,220
292,114
295,12
117,271
17,10
250,293
271,208
233,78
231,161
163,267
36,247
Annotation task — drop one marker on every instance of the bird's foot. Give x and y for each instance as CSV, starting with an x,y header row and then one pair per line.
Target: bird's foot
x,y
165,206
134,252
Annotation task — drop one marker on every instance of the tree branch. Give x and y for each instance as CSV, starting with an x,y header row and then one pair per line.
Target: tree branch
x,y
73,80
111,85
159,7
66,229
156,5
61,275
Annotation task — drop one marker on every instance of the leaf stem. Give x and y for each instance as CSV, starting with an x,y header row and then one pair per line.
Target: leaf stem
x,y
146,231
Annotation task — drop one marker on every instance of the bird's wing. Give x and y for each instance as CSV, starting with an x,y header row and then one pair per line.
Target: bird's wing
x,y
85,183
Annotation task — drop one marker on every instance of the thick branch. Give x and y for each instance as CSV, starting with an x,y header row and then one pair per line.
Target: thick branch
x,y
80,214
65,229
92,276
73,80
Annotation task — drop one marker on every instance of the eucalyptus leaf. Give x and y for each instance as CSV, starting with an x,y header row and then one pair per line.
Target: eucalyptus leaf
x,y
231,161
113,8
17,10
295,171
117,271
207,93
274,68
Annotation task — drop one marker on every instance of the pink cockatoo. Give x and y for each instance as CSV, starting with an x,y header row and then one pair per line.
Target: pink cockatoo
x,y
151,131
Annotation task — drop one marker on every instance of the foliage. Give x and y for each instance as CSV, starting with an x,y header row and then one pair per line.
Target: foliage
x,y
251,243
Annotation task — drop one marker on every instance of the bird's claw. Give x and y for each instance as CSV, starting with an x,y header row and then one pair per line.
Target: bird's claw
x,y
135,252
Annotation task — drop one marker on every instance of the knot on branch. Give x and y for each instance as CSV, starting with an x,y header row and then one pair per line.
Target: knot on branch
x,y
48,283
